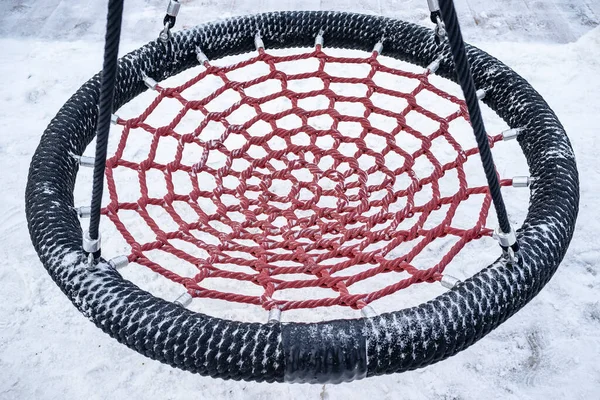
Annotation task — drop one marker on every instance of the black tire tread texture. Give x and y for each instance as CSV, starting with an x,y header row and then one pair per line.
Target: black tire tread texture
x,y
330,351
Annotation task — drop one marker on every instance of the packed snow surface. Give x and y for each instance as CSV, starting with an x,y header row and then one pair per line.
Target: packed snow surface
x,y
48,350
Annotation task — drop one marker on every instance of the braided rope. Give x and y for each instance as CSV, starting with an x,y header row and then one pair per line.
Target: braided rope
x,y
463,72
330,351
302,204
105,108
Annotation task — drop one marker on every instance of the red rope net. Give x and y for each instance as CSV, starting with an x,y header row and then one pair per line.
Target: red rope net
x,y
303,204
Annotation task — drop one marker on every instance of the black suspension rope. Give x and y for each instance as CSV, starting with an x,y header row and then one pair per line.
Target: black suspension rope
x,y
109,73
465,79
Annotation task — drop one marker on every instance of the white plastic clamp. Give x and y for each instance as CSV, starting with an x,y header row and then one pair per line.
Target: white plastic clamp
x,y
507,242
184,300
319,39
511,134
173,8
200,56
505,239
522,181
258,42
84,211
274,315
151,83
119,262
434,5
85,161
91,245
448,281
435,64
368,311
378,48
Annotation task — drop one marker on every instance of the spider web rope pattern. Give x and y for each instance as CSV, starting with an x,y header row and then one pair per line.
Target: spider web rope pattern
x,y
319,241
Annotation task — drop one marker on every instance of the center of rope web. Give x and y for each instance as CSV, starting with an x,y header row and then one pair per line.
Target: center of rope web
x,y
282,180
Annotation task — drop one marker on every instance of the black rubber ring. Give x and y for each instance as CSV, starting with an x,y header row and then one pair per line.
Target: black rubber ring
x,y
332,350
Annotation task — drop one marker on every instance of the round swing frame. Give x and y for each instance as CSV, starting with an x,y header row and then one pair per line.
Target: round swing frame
x,y
330,351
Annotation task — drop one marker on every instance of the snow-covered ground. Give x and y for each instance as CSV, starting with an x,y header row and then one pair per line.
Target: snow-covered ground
x,y
48,350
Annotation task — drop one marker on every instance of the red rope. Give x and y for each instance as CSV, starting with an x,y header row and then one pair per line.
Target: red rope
x,y
319,242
